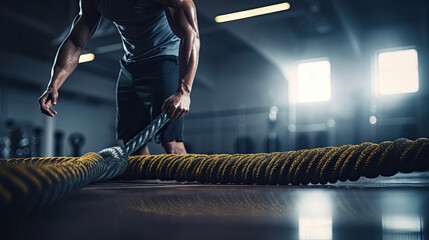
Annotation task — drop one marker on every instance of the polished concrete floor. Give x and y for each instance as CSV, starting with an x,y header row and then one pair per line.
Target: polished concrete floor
x,y
383,208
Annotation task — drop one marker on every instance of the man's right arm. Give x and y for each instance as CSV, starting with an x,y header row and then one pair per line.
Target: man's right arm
x,y
69,52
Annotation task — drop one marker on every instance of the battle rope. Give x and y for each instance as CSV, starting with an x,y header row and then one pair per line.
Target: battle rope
x,y
34,183
317,166
144,136
29,184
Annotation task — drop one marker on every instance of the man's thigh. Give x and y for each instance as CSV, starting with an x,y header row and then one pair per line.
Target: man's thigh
x,y
131,115
154,81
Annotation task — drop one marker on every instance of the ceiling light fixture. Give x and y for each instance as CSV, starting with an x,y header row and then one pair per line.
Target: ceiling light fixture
x,y
252,12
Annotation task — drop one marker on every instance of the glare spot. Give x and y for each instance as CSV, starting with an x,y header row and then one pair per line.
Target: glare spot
x,y
274,110
373,120
331,123
314,81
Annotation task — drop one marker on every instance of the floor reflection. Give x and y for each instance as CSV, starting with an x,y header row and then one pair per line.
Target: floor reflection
x,y
155,210
311,228
315,215
402,226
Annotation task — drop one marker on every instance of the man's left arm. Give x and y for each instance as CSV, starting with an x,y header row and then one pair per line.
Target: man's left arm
x,y
182,17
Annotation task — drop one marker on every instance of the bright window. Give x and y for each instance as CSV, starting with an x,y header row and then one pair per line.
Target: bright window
x,y
398,72
314,81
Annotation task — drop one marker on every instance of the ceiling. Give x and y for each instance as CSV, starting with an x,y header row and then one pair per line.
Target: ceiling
x,y
36,28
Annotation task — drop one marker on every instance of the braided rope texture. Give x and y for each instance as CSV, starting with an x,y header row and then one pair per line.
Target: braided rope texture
x,y
33,183
147,133
317,166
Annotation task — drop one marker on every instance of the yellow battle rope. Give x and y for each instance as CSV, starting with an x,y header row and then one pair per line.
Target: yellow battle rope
x,y
320,165
33,183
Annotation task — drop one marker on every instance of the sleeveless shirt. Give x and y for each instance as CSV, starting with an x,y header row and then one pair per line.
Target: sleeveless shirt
x,y
143,27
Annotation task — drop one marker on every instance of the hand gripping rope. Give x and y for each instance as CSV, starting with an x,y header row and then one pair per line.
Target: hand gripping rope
x,y
29,184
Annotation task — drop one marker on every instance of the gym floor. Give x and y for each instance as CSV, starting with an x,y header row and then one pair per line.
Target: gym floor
x,y
382,208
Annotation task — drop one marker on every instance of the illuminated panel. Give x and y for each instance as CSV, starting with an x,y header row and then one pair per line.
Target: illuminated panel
x,y
314,82
252,12
86,57
397,72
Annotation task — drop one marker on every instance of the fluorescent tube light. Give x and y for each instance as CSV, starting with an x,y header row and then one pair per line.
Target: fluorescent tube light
x,y
252,12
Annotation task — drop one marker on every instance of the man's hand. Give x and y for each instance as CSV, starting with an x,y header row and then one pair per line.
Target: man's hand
x,y
67,57
177,105
48,98
182,18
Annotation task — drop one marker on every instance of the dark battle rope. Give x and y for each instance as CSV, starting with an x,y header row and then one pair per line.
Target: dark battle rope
x,y
317,166
29,184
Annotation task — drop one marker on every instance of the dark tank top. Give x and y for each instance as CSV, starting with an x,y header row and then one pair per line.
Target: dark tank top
x,y
143,27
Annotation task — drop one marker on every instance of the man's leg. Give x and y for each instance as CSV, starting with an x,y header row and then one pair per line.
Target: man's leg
x,y
153,82
174,147
142,151
133,112
164,71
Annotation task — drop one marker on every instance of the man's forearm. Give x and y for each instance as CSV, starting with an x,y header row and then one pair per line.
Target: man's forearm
x,y
65,63
68,54
182,17
188,62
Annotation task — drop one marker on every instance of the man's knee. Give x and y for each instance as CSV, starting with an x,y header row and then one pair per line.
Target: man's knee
x,y
174,147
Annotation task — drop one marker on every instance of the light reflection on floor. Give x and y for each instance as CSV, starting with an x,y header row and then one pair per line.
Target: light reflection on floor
x,y
315,215
387,208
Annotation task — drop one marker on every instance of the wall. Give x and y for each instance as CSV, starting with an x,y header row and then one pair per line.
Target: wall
x,y
94,119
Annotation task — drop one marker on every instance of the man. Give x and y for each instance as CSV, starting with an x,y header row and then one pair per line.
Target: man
x,y
161,43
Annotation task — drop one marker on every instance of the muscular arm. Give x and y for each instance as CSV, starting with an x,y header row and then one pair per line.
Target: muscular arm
x,y
68,54
182,17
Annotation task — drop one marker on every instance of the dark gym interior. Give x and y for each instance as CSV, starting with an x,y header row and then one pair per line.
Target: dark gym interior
x,y
321,73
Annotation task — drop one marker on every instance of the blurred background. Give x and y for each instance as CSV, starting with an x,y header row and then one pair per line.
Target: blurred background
x,y
317,73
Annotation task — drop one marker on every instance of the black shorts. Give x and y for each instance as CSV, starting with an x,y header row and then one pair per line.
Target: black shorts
x,y
141,90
